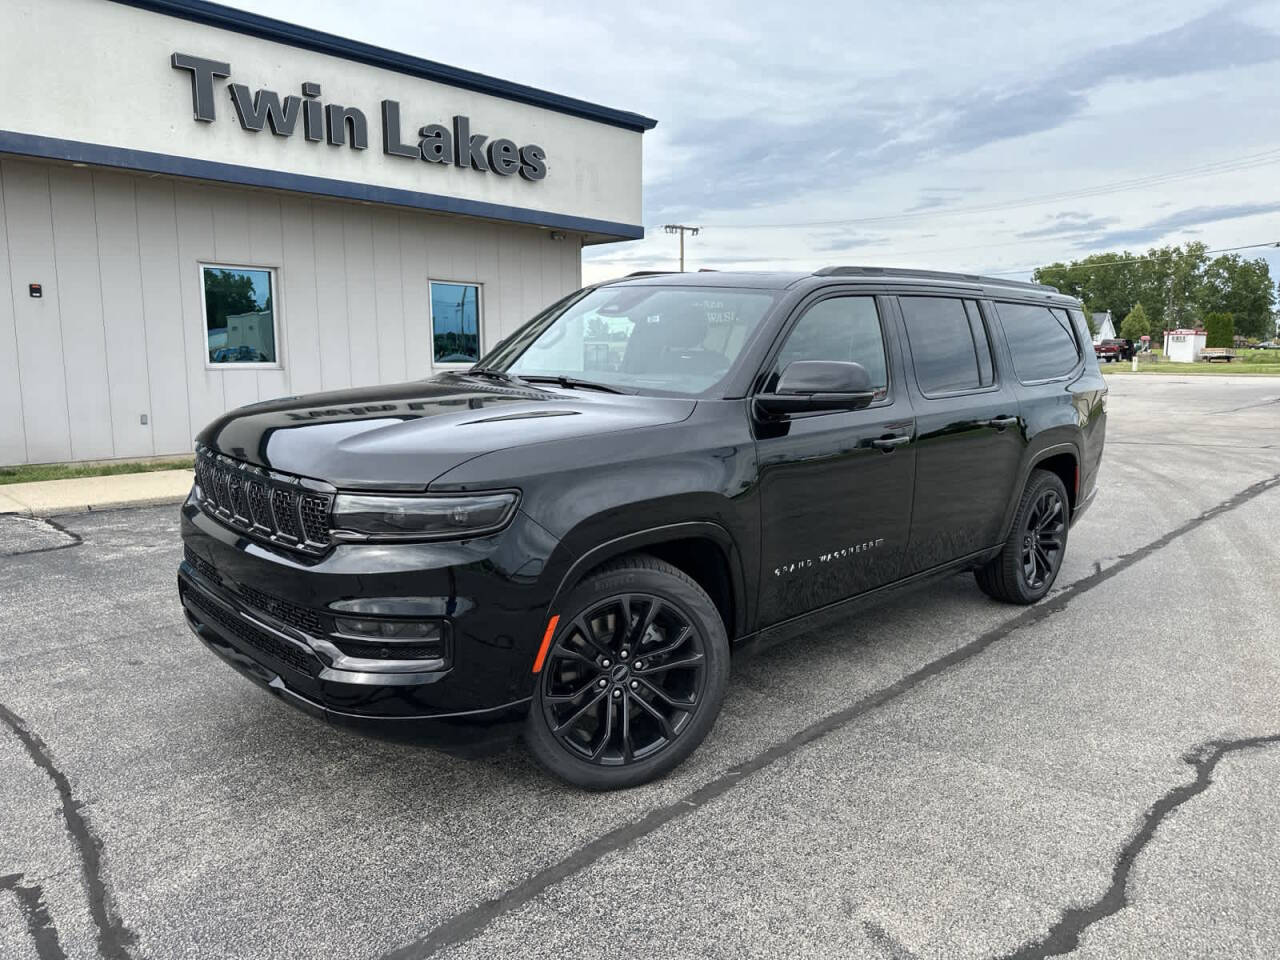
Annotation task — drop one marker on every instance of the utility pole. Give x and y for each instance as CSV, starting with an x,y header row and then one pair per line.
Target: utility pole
x,y
680,229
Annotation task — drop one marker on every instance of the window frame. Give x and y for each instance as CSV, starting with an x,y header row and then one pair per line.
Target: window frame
x,y
431,324
879,301
277,314
1075,369
961,298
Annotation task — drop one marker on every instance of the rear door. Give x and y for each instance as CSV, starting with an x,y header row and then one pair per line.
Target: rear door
x,y
969,435
835,486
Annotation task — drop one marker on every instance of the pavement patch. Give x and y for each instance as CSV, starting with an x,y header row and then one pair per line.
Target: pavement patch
x,y
22,535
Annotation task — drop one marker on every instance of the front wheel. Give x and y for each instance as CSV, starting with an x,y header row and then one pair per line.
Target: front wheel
x,y
633,678
1029,562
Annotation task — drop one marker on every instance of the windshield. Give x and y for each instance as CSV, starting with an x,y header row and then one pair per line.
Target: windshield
x,y
670,339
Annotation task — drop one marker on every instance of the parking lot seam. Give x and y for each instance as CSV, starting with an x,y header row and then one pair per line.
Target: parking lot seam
x,y
76,539
1064,935
114,938
470,923
30,897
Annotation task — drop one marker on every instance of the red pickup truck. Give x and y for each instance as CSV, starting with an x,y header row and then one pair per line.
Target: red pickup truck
x,y
1111,350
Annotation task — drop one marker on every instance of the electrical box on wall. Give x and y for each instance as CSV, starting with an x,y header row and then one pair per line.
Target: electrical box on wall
x,y
35,290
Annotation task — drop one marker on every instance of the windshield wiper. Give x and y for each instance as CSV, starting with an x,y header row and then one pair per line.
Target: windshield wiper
x,y
571,382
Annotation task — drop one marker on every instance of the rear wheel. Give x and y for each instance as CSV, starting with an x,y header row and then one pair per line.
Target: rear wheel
x,y
1028,564
633,678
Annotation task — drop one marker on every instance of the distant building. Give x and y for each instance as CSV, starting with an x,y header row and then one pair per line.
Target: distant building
x,y
1106,326
1183,346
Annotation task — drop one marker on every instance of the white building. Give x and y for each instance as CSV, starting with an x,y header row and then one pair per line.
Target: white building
x,y
202,208
1106,326
1183,346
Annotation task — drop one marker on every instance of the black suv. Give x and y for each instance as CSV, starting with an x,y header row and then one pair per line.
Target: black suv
x,y
568,539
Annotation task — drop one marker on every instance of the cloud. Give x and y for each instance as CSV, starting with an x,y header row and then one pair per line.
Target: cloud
x,y
1067,224
1191,217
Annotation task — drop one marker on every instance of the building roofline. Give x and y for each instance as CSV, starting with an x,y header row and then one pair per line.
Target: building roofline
x,y
267,28
74,151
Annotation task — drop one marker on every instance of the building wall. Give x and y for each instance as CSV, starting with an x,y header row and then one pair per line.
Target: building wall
x,y
119,331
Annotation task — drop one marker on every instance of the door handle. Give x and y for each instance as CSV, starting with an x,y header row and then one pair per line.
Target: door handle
x,y
1001,423
887,444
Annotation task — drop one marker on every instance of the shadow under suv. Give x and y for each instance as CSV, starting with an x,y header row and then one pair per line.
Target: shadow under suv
x,y
567,540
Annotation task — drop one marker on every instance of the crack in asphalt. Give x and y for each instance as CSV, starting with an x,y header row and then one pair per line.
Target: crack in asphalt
x,y
76,539
473,921
892,947
1064,936
30,897
114,938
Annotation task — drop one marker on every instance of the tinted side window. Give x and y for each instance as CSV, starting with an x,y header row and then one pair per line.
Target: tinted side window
x,y
949,347
1040,340
841,328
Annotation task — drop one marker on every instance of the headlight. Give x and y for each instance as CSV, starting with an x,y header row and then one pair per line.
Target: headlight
x,y
387,517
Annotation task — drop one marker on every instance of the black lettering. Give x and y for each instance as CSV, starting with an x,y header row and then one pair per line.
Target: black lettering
x,y
436,145
504,158
202,73
265,108
533,164
464,141
312,113
391,132
338,118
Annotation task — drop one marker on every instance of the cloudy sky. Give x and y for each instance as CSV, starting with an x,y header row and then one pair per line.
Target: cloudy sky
x,y
981,136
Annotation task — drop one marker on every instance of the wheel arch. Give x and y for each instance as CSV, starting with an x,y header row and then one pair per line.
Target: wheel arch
x,y
704,550
1062,459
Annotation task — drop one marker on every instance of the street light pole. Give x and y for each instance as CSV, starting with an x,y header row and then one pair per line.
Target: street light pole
x,y
681,229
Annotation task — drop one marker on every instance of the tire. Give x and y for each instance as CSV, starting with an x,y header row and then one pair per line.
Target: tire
x,y
634,728
1010,576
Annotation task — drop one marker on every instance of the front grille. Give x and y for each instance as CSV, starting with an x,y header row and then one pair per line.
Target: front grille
x,y
201,565
274,647
267,505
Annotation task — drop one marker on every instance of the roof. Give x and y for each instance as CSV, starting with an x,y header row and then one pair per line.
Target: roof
x,y
878,275
266,28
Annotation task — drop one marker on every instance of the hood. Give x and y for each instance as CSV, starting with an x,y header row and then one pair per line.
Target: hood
x,y
403,436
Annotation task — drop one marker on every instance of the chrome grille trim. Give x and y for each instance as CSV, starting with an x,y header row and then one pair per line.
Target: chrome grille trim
x,y
285,510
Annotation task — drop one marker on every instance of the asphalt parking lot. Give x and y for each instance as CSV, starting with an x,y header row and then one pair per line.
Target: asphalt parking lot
x,y
940,776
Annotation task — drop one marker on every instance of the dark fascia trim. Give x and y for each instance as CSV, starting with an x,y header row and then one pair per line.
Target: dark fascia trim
x,y
29,145
266,28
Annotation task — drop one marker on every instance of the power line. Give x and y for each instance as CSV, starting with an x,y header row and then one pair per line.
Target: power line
x,y
1116,263
1214,168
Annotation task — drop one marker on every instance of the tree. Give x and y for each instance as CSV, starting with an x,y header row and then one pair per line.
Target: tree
x,y
1220,330
1135,325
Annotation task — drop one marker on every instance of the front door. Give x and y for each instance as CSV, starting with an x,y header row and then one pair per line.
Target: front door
x,y
969,436
835,487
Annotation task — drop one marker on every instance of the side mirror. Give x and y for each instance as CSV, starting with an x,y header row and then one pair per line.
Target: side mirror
x,y
807,385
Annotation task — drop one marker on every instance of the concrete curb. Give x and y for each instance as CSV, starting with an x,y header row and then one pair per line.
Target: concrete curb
x,y
53,498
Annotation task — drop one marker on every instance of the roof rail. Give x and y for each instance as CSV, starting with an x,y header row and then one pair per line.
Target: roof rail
x,y
837,271
649,273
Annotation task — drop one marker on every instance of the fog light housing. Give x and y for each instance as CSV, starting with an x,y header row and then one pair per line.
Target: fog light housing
x,y
382,639
390,629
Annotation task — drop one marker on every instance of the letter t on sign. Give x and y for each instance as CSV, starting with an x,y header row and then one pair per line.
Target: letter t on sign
x,y
202,73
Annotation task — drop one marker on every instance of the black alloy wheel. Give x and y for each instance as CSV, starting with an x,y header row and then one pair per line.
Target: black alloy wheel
x,y
1043,539
624,680
633,678
1027,565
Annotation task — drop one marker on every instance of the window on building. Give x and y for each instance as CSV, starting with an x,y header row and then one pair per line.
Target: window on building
x,y
949,347
841,328
1040,340
455,322
239,314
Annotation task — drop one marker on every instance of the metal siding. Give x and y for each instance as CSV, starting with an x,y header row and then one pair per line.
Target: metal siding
x,y
388,291
331,296
361,319
168,340
13,438
37,323
298,297
351,291
116,211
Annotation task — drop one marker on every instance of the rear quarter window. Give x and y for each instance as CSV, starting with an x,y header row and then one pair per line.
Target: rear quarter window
x,y
1040,339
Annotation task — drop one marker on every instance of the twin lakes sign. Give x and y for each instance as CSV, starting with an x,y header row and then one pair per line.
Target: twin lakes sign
x,y
340,125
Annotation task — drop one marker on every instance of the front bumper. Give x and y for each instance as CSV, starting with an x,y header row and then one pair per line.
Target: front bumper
x,y
266,613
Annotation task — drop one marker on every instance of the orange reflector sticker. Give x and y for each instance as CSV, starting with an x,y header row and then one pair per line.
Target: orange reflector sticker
x,y
546,642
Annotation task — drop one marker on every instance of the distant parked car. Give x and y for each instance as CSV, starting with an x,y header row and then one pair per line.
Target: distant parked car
x,y
1113,349
1268,345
